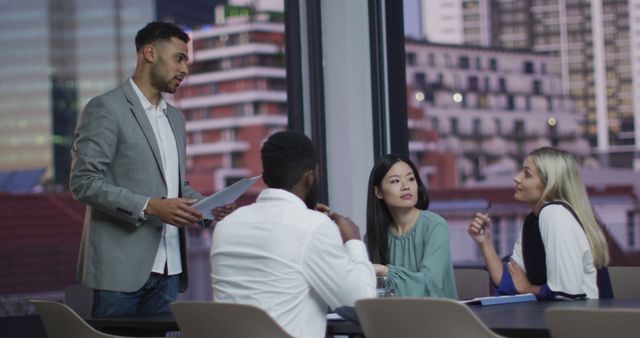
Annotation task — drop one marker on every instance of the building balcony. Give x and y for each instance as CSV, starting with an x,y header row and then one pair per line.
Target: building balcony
x,y
231,29
236,122
449,89
449,143
532,145
505,166
465,166
475,135
231,99
235,74
496,146
420,146
491,148
526,135
226,52
217,148
578,147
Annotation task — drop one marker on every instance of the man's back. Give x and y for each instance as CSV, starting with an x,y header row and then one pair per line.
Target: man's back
x,y
288,260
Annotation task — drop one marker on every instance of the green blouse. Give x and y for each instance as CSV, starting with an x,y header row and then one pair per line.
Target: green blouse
x,y
420,260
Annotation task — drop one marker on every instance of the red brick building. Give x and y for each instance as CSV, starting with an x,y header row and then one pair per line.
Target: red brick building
x,y
233,98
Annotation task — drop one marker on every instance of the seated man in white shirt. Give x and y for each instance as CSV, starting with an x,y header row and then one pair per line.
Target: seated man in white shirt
x,y
283,256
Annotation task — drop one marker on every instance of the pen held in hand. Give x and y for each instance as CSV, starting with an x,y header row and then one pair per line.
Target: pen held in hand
x,y
486,211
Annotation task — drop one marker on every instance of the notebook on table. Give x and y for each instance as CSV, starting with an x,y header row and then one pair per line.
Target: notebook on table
x,y
495,300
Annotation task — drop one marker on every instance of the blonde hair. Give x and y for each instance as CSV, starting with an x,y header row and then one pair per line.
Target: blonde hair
x,y
562,182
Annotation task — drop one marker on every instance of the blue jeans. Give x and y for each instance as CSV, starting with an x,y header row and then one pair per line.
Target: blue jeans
x,y
155,296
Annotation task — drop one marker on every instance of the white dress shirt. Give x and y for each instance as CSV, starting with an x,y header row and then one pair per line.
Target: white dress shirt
x,y
569,260
290,261
169,247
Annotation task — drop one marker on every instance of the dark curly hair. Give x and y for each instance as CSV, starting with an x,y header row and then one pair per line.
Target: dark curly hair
x,y
286,156
158,30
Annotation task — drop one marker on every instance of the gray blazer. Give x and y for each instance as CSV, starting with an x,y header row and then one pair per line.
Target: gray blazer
x,y
116,166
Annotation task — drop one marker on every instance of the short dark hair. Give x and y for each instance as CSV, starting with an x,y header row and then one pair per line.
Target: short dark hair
x,y
286,156
158,30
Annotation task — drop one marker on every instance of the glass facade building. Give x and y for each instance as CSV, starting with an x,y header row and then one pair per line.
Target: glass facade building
x,y
59,54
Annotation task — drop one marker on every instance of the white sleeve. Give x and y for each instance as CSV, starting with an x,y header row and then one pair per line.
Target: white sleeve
x,y
339,273
565,244
517,251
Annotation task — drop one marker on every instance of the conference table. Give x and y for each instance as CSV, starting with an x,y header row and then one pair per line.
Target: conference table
x,y
525,319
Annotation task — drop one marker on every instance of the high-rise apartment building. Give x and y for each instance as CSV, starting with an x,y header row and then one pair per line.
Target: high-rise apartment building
x,y
476,24
443,22
234,97
448,21
596,49
593,44
489,107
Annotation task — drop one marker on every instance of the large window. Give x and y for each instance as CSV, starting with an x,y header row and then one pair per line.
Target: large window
x,y
62,53
498,90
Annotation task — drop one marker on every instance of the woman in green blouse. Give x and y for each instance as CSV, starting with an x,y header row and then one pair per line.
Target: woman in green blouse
x,y
405,241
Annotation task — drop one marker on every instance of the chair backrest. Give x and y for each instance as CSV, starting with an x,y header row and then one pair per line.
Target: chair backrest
x,y
61,322
625,281
472,283
592,323
80,299
224,320
419,317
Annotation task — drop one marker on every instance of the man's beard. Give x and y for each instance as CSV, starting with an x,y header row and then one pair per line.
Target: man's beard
x,y
312,196
157,81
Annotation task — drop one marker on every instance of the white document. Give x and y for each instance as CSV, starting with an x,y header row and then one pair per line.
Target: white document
x,y
334,316
224,196
493,300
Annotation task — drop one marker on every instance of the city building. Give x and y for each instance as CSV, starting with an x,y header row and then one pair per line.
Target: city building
x,y
596,49
234,97
443,21
57,55
449,21
490,107
436,165
594,46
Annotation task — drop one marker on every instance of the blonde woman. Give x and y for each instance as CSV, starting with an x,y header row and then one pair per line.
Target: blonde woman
x,y
561,251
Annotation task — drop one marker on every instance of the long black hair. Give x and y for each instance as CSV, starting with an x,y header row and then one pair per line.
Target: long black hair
x,y
378,216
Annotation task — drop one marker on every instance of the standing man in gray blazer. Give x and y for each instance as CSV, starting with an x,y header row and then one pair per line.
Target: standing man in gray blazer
x,y
129,168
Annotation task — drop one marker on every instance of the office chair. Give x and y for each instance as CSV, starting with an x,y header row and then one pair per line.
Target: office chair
x,y
224,320
625,281
61,322
472,283
419,318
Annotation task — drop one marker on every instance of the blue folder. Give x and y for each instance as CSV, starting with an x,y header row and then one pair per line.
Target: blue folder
x,y
527,297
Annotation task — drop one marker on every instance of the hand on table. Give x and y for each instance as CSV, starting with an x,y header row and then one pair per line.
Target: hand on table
x,y
520,279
